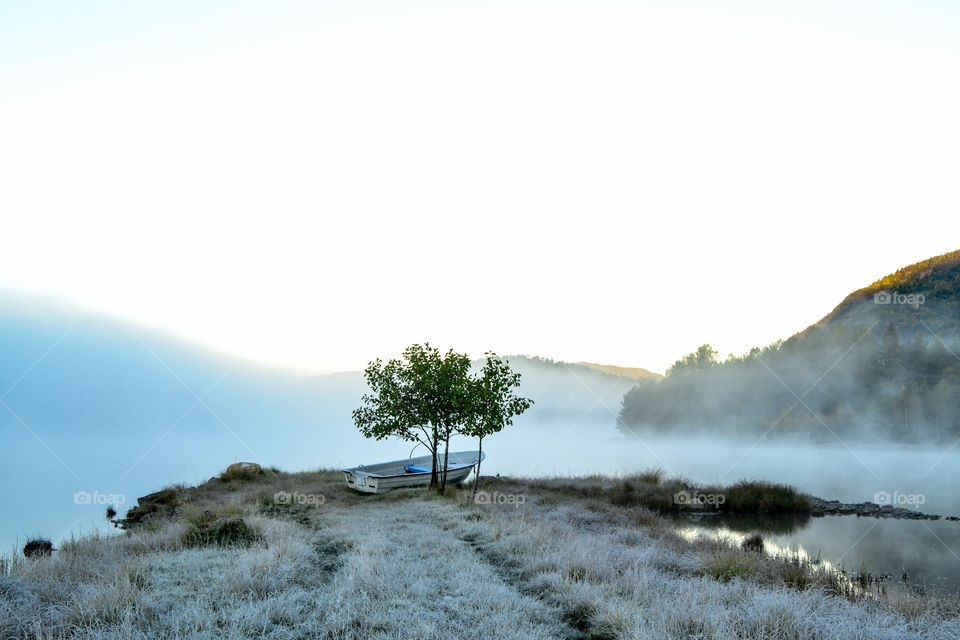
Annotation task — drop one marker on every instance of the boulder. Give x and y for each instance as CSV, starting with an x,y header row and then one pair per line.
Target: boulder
x,y
244,467
242,471
159,503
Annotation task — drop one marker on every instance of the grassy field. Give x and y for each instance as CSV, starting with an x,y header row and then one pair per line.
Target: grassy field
x,y
300,556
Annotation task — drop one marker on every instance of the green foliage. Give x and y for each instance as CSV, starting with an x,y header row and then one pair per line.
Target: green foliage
x,y
389,409
494,403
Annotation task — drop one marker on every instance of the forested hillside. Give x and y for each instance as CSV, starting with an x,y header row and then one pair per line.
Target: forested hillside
x,y
884,364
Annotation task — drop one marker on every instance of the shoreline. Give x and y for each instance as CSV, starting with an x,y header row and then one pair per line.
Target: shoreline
x,y
576,558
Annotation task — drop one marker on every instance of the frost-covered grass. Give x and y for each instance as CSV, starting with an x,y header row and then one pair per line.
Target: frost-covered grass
x,y
620,581
561,564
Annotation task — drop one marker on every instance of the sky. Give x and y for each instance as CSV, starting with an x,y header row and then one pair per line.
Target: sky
x,y
316,184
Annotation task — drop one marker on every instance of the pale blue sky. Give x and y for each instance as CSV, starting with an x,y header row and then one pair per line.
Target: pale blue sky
x,y
318,184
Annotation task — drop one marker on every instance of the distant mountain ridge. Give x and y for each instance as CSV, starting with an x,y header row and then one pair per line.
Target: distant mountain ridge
x,y
636,373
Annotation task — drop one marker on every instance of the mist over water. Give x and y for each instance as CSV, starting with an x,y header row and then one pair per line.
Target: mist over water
x,y
112,416
43,501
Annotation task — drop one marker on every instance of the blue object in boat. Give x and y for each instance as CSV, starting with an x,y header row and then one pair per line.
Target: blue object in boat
x,y
416,468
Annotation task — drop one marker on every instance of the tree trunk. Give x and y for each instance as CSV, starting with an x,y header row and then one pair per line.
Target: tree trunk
x,y
476,480
446,458
433,463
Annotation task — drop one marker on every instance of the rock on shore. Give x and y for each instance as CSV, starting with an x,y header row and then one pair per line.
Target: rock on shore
x,y
821,507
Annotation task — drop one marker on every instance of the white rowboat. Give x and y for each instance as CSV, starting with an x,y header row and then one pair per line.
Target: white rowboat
x,y
412,472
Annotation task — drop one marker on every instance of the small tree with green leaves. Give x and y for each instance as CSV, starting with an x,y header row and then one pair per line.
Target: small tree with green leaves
x,y
422,397
494,403
390,408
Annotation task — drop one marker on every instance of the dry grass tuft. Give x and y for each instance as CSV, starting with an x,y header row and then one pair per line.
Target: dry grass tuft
x,y
223,531
753,542
729,564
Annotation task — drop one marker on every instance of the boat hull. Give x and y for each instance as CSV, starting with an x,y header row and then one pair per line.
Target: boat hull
x,y
383,477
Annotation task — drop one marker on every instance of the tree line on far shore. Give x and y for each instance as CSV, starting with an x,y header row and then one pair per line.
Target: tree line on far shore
x,y
831,382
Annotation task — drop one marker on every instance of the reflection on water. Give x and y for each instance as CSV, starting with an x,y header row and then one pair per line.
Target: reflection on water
x,y
922,551
740,523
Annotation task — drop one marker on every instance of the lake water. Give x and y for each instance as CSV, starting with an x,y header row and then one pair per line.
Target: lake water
x,y
61,488
927,551
924,552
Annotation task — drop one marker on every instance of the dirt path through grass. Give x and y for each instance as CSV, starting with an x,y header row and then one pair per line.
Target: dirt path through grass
x,y
409,569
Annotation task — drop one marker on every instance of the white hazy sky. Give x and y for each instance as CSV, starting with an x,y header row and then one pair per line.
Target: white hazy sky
x,y
320,183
